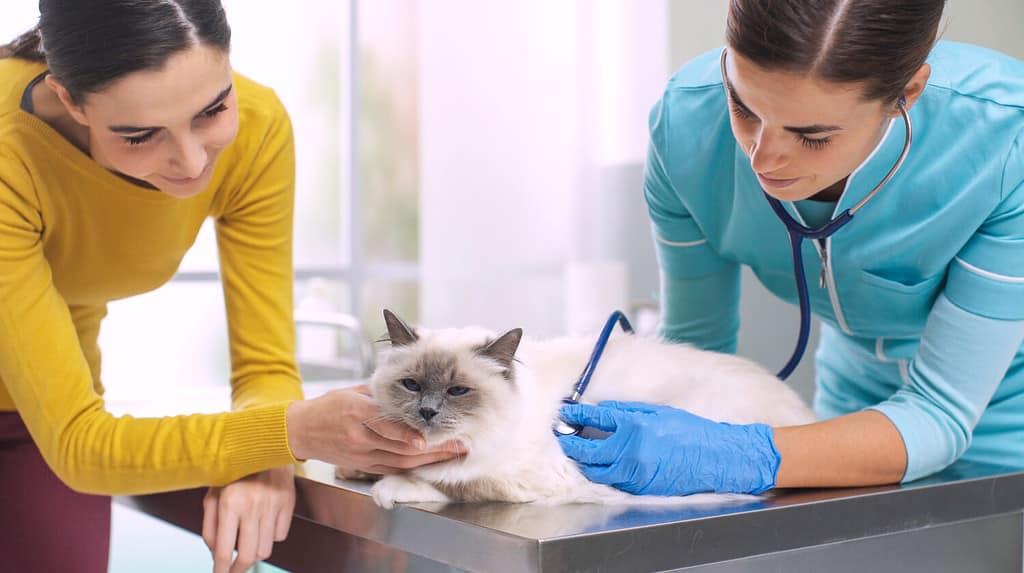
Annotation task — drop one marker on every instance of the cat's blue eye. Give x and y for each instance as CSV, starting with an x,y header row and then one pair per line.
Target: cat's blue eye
x,y
458,390
410,384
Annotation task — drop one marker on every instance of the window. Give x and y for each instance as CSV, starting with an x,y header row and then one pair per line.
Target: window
x,y
356,216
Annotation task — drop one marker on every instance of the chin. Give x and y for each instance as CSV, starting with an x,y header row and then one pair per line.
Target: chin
x,y
794,193
182,191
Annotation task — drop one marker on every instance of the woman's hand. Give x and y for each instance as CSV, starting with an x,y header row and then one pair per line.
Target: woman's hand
x,y
658,450
256,510
345,428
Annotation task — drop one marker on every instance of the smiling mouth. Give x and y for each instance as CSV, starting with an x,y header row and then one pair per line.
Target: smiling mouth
x,y
187,180
776,183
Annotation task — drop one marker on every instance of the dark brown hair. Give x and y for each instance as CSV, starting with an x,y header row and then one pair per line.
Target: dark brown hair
x,y
877,43
87,44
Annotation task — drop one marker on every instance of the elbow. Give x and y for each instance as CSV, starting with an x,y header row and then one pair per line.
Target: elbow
x,y
70,473
72,457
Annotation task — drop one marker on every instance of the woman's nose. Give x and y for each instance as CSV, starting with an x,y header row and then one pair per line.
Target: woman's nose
x,y
766,155
191,157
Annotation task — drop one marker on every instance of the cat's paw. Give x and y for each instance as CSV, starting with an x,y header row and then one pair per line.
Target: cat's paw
x,y
403,489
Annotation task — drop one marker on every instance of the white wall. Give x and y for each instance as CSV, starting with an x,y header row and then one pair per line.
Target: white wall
x,y
526,107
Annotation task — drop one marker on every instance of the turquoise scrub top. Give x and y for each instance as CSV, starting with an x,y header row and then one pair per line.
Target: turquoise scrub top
x,y
923,307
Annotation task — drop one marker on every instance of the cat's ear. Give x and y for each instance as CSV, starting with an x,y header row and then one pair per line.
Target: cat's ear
x,y
503,349
399,332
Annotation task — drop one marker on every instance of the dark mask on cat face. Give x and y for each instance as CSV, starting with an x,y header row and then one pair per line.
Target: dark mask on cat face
x,y
443,387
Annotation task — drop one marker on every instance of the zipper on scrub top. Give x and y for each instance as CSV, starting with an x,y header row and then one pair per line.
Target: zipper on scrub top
x,y
824,264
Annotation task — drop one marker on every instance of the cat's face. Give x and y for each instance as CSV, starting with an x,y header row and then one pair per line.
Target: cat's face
x,y
449,384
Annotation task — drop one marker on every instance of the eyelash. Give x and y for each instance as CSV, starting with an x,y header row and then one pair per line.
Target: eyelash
x,y
214,111
807,142
140,139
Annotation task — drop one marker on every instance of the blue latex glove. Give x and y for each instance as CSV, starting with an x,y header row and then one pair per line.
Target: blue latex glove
x,y
658,450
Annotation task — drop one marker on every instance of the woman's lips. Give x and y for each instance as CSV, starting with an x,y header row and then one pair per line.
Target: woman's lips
x,y
188,180
776,183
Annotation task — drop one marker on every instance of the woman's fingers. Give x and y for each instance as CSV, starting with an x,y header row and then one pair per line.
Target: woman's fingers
x,y
266,537
224,545
387,460
210,501
248,544
284,522
404,439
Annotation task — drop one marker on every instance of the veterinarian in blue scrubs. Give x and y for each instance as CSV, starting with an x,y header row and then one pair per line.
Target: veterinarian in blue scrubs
x,y
922,306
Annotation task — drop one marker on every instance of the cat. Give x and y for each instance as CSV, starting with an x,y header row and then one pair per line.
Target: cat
x,y
499,396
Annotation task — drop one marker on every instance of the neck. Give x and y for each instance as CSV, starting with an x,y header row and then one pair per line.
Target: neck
x,y
831,193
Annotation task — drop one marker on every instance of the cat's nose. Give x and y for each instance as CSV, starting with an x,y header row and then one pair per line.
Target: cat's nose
x,y
428,413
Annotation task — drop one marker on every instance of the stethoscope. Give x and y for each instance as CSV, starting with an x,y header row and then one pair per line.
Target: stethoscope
x,y
797,233
561,427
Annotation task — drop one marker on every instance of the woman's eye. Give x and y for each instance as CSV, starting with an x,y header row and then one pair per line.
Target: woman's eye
x,y
410,384
815,143
140,139
742,113
213,111
458,390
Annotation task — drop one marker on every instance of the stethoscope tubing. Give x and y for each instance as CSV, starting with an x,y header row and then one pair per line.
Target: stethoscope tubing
x,y
617,317
797,233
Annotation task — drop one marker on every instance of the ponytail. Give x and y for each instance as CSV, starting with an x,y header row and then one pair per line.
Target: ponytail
x,y
27,46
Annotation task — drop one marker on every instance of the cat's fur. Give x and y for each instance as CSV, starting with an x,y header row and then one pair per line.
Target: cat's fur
x,y
515,390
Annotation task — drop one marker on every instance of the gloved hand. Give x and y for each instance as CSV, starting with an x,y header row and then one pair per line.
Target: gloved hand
x,y
658,450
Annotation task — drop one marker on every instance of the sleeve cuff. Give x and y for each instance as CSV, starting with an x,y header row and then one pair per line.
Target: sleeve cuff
x,y
256,439
930,446
984,292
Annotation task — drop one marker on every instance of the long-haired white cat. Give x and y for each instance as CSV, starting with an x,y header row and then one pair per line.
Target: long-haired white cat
x,y
499,395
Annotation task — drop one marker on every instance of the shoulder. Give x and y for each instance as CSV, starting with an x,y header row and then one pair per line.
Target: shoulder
x,y
15,124
15,75
689,126
975,97
260,112
264,133
261,159
693,109
976,72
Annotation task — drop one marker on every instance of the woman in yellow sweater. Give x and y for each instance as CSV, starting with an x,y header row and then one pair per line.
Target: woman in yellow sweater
x,y
123,127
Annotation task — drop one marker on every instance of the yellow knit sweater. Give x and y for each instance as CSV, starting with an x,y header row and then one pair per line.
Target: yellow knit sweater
x,y
74,236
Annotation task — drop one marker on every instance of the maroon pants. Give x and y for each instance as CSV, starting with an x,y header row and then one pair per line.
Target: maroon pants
x,y
44,525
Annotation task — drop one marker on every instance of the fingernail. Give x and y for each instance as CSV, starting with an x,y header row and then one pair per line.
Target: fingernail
x,y
419,443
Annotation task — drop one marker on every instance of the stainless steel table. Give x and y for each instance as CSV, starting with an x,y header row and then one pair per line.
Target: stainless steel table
x,y
965,519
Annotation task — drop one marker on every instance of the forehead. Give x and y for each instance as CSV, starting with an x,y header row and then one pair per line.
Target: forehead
x,y
187,82
794,98
436,365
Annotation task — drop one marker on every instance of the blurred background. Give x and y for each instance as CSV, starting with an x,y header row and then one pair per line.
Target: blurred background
x,y
461,163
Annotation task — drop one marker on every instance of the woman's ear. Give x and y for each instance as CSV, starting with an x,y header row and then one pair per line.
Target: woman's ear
x,y
914,87
74,110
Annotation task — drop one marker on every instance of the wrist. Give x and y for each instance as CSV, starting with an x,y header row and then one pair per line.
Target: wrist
x,y
296,420
765,459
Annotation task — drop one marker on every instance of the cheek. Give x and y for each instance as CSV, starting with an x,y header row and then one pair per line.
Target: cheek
x,y
744,131
403,401
464,407
221,133
138,162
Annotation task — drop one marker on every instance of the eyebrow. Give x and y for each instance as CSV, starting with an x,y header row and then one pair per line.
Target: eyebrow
x,y
133,129
802,130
